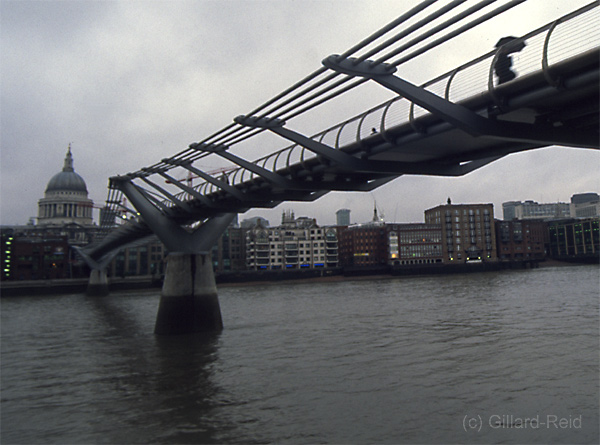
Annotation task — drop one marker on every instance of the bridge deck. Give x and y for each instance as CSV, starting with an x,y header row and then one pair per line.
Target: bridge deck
x,y
526,99
559,97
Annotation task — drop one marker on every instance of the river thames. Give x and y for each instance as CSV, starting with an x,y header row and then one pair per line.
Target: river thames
x,y
496,357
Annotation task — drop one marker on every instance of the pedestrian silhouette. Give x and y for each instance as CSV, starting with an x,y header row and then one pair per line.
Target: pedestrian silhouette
x,y
503,65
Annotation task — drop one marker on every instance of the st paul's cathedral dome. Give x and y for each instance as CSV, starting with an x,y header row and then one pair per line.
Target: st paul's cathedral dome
x,y
66,198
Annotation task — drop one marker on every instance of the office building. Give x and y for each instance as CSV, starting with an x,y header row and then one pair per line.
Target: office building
x,y
533,210
575,239
585,205
364,245
414,244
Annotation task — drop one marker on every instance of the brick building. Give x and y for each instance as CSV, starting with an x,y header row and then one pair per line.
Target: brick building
x,y
521,240
468,233
364,245
35,257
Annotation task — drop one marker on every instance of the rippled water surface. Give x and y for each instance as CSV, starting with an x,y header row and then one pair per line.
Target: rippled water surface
x,y
509,357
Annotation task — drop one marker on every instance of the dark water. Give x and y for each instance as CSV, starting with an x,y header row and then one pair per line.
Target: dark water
x,y
509,357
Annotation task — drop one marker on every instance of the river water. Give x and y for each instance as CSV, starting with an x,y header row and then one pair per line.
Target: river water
x,y
497,357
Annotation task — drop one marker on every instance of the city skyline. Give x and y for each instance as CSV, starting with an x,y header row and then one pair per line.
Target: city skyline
x,y
128,85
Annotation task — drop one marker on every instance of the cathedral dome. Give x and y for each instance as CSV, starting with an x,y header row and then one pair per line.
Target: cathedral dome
x,y
66,199
67,180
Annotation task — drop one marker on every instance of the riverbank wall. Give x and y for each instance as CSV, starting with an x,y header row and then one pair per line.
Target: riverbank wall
x,y
77,286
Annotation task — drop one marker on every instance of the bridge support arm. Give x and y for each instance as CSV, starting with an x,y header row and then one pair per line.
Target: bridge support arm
x,y
208,178
173,236
277,126
267,175
98,282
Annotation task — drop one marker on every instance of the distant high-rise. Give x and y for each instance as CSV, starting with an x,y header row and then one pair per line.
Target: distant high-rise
x,y
585,205
533,210
343,217
582,198
509,210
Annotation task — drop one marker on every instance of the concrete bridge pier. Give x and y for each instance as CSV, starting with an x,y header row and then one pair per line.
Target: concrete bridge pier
x,y
189,302
98,283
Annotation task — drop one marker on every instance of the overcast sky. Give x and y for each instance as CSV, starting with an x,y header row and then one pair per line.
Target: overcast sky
x,y
128,83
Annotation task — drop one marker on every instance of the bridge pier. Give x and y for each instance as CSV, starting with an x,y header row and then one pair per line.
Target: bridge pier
x,y
189,302
98,283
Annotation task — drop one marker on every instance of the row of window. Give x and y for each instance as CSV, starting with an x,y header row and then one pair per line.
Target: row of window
x,y
252,261
287,252
414,251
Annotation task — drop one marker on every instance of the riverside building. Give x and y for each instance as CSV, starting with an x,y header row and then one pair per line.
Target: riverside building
x,y
468,232
414,244
298,243
364,245
573,240
521,240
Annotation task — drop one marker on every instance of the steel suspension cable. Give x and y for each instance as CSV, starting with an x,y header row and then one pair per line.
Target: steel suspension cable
x,y
365,42
232,130
437,42
236,134
381,47
241,133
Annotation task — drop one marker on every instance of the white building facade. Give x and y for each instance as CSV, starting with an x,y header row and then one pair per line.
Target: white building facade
x,y
295,244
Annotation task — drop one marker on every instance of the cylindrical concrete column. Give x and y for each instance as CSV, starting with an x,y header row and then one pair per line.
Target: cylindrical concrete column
x,y
189,301
98,284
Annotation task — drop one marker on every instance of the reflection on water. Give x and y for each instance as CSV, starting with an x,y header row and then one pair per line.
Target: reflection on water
x,y
460,358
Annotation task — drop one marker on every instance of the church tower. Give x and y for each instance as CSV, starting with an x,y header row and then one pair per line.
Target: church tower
x,y
66,199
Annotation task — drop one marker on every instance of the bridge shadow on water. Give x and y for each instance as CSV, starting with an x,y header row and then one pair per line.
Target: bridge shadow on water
x,y
163,388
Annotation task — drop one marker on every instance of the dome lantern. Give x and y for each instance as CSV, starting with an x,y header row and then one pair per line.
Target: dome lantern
x,y
67,180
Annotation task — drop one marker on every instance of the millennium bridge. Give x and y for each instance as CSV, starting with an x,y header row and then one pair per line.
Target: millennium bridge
x,y
528,92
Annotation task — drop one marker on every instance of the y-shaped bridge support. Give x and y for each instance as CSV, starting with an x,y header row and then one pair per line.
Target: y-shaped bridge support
x,y
189,301
98,283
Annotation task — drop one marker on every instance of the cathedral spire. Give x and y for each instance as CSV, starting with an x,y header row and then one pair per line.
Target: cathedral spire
x,y
68,167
